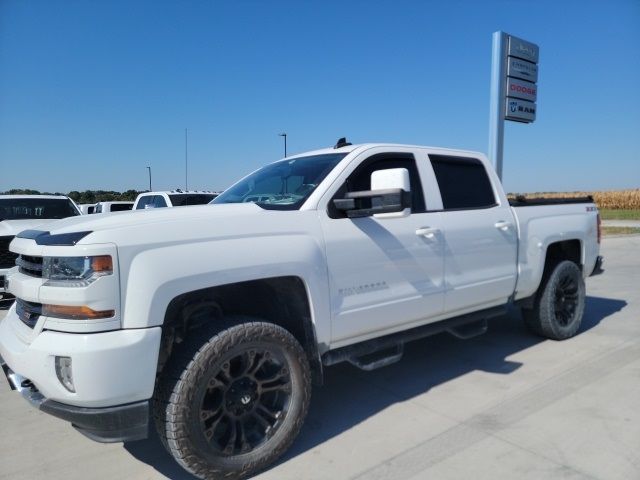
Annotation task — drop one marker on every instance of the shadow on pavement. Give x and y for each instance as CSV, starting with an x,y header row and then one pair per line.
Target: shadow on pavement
x,y
350,396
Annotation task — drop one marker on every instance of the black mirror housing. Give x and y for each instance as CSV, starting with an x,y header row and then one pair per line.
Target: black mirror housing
x,y
372,202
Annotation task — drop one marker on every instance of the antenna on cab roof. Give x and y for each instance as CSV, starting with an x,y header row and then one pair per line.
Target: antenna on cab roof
x,y
342,142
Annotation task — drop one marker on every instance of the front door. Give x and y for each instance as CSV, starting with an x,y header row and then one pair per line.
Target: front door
x,y
385,273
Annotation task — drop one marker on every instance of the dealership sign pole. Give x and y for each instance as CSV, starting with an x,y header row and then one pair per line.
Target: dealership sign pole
x,y
514,75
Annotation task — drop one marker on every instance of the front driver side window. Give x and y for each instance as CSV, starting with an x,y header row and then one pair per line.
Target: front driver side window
x,y
360,179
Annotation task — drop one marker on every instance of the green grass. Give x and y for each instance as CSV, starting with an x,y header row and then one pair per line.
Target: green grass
x,y
606,231
607,214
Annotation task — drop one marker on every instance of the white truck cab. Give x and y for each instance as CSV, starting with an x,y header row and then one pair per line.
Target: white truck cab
x,y
174,198
109,207
87,208
218,317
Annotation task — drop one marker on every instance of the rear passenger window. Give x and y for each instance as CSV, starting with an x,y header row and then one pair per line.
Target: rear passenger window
x,y
463,182
159,202
144,201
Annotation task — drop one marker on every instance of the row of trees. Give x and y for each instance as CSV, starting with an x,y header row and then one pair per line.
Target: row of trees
x,y
88,196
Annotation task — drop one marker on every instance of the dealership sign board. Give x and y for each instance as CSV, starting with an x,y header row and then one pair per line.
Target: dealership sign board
x,y
514,89
521,90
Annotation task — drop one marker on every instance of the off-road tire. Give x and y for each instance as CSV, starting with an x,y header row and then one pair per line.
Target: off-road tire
x,y
176,401
543,319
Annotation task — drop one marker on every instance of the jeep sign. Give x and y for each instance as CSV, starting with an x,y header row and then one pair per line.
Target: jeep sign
x,y
522,49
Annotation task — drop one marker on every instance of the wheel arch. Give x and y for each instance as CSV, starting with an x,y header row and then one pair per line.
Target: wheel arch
x,y
283,301
555,252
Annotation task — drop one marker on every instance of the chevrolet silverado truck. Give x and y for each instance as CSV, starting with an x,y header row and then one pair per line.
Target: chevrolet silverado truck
x,y
214,322
21,212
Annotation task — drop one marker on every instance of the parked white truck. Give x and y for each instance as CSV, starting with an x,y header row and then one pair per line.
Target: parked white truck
x,y
217,318
21,212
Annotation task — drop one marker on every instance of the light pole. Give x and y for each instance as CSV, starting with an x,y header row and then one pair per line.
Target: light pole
x,y
149,168
285,143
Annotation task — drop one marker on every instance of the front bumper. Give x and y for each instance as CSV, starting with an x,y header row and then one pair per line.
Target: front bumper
x,y
122,423
109,368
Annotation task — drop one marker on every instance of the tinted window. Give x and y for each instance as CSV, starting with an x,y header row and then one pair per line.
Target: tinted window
x,y
24,208
120,207
360,179
191,199
159,201
463,182
144,201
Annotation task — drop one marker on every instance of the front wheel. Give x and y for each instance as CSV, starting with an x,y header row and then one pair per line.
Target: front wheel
x,y
231,404
559,305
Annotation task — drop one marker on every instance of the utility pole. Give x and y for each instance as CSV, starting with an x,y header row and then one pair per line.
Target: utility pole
x,y
150,189
285,143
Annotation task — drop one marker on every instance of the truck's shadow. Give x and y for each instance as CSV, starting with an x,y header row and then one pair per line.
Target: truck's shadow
x,y
346,399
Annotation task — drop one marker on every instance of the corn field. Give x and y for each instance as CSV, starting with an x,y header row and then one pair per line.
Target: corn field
x,y
611,199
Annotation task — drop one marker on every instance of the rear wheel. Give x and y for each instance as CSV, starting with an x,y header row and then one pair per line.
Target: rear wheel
x,y
230,405
559,305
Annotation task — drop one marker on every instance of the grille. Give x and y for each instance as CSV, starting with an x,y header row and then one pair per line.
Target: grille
x,y
30,265
28,312
7,258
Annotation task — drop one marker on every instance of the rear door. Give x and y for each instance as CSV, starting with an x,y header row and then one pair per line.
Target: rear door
x,y
385,272
480,237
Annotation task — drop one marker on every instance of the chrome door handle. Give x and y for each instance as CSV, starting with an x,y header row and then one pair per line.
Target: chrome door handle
x,y
502,225
427,232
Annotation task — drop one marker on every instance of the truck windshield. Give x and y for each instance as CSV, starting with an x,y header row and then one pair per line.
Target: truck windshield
x,y
25,208
284,185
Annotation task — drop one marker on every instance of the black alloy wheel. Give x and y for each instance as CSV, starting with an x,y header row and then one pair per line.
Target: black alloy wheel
x,y
246,401
559,303
566,299
232,397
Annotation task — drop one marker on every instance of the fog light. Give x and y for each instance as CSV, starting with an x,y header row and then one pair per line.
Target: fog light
x,y
64,373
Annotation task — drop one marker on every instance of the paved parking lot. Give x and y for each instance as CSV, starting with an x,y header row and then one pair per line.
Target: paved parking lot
x,y
502,406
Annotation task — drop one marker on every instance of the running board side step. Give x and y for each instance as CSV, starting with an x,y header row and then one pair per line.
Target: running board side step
x,y
379,359
465,326
470,330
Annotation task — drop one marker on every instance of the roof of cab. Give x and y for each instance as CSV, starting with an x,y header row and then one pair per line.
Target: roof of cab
x,y
366,146
55,197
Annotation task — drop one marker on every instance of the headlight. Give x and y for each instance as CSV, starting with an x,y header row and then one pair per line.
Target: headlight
x,y
75,271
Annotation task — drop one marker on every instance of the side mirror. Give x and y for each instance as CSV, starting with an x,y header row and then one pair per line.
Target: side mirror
x,y
390,196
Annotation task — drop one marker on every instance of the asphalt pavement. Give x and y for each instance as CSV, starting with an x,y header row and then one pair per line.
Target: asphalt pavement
x,y
505,405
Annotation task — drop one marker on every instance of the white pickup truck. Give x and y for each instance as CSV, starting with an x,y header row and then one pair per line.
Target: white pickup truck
x,y
218,318
20,212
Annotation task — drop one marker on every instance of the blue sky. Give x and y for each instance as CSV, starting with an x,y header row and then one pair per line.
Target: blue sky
x,y
92,92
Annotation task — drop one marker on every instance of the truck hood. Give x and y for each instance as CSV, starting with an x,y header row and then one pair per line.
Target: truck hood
x,y
13,227
166,224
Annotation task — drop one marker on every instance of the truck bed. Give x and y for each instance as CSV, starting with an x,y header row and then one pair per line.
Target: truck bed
x,y
522,201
